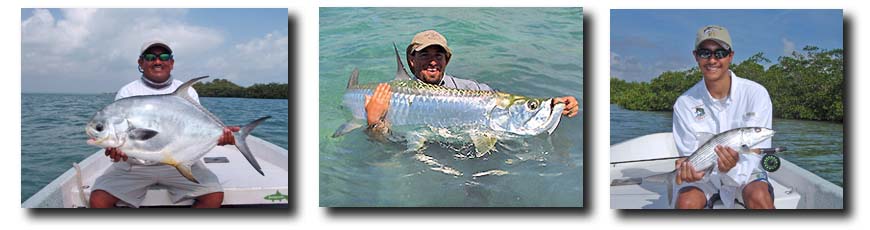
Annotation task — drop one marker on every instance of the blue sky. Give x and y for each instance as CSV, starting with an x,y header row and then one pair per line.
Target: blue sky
x,y
645,43
95,50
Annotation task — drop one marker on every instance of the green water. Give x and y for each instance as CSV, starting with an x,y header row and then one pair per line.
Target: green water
x,y
527,51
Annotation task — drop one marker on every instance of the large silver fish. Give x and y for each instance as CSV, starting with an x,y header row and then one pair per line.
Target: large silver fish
x,y
703,159
172,129
482,116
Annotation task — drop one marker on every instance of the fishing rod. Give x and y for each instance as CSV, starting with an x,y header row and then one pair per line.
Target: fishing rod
x,y
770,162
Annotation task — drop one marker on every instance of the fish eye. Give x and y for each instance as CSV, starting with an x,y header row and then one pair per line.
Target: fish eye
x,y
99,127
757,130
532,105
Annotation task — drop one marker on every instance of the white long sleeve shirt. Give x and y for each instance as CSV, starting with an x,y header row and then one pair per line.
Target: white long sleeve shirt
x,y
697,114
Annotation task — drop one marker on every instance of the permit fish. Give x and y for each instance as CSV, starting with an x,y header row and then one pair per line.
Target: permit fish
x,y
172,129
451,115
703,159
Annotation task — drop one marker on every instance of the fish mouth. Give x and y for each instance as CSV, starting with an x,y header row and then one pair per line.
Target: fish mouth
x,y
555,116
95,141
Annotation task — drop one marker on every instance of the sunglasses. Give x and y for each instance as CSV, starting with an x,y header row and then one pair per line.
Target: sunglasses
x,y
719,53
151,57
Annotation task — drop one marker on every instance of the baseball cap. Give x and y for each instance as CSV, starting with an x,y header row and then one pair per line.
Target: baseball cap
x,y
716,33
427,38
152,43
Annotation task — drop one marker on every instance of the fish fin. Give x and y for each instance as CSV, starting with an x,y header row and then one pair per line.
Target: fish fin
x,y
182,92
182,168
347,127
186,172
140,134
354,78
242,145
401,74
483,143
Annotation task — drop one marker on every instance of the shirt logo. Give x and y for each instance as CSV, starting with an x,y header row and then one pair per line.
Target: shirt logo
x,y
699,113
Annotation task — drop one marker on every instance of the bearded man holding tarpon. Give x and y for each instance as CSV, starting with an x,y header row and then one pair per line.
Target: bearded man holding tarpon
x,y
720,102
428,56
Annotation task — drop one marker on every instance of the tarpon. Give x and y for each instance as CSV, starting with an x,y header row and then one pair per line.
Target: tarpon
x,y
480,117
703,159
172,129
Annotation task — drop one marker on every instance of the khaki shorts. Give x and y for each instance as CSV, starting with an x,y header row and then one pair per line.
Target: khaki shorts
x,y
129,182
709,189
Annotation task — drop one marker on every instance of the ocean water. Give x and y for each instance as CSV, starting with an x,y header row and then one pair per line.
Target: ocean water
x,y
526,51
53,130
814,145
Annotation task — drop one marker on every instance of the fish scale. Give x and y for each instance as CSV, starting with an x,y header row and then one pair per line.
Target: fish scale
x,y
412,103
705,156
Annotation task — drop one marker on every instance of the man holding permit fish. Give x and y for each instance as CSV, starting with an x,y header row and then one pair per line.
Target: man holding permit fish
x,y
721,101
428,55
128,181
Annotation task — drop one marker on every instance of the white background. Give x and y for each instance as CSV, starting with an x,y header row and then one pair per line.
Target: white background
x,y
308,215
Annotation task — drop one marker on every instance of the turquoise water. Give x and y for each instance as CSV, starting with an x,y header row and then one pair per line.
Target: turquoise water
x,y
527,51
815,146
53,136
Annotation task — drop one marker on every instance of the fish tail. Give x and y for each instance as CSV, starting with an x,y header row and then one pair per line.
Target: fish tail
x,y
242,145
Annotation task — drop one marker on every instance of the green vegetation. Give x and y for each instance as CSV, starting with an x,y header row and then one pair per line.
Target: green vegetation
x,y
225,88
805,86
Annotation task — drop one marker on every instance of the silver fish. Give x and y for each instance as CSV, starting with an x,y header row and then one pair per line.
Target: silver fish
x,y
703,159
739,139
172,129
482,116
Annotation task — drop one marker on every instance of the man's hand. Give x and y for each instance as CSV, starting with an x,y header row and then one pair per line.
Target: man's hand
x,y
686,172
727,158
115,154
377,104
571,105
227,138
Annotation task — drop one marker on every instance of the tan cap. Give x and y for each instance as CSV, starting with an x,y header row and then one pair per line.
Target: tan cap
x,y
149,44
425,39
716,33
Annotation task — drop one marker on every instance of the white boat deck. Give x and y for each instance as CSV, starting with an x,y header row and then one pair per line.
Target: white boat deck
x,y
794,187
241,183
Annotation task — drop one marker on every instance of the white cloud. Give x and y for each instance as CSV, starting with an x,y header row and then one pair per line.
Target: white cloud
x,y
634,68
261,59
95,50
788,47
614,58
